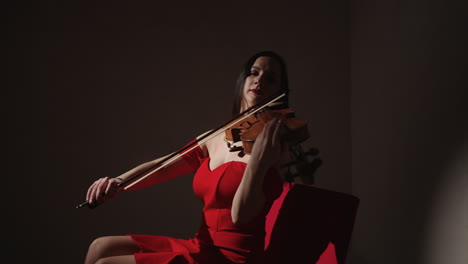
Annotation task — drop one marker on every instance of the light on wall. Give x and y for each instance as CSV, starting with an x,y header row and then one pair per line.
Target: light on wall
x,y
447,232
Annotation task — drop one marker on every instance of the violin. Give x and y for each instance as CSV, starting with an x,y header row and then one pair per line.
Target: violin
x,y
247,130
245,127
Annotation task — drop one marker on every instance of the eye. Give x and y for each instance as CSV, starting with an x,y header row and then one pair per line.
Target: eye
x,y
253,72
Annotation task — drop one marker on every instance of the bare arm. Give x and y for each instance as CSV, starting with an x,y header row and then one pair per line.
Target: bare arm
x,y
249,199
175,169
106,188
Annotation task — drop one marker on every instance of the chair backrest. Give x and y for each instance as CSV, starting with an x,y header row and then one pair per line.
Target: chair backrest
x,y
306,222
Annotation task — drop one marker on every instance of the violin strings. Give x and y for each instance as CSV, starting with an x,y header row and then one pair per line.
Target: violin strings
x,y
198,142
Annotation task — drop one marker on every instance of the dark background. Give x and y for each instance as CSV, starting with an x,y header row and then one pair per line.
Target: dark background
x,y
96,88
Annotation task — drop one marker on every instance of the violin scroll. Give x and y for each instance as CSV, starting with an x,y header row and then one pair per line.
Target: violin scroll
x,y
303,166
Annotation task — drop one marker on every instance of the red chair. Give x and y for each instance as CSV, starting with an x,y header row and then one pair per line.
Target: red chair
x,y
309,225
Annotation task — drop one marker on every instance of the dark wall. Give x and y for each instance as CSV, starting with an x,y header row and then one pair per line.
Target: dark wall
x,y
96,88
409,131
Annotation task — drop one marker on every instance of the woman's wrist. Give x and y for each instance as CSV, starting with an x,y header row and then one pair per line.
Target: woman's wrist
x,y
119,178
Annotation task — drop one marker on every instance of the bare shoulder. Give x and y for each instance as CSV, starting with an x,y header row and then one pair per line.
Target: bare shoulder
x,y
212,144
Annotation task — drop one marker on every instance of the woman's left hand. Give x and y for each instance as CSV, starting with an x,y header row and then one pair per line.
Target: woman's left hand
x,y
267,150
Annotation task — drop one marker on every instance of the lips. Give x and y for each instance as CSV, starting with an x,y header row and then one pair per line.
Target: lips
x,y
255,91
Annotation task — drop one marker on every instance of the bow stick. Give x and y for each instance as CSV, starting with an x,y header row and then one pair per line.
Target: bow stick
x,y
176,155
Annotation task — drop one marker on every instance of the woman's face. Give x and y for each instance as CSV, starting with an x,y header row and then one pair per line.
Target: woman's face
x,y
263,81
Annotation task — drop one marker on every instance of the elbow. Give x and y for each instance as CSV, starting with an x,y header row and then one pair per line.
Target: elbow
x,y
245,214
235,216
239,219
235,219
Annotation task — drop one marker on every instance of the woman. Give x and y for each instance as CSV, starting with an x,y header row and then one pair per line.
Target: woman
x,y
237,190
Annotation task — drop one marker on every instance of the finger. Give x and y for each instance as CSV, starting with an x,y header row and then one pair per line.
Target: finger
x,y
109,186
90,193
271,133
100,188
103,187
269,129
277,132
95,190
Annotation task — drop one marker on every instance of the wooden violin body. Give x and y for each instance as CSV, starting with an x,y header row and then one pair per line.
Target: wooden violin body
x,y
248,129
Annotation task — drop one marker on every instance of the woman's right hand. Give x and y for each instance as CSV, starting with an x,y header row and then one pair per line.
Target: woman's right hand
x,y
103,189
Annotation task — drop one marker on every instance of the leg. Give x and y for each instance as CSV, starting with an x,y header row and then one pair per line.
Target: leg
x,y
128,259
111,246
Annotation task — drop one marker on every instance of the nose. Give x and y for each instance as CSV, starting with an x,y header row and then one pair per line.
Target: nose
x,y
259,79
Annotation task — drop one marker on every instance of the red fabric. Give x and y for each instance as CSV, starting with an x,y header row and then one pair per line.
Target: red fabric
x,y
193,159
273,213
218,240
309,225
327,257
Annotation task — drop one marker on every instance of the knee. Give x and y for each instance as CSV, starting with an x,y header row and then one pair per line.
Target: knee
x,y
103,261
99,246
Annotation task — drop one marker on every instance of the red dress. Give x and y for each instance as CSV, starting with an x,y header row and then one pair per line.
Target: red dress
x,y
218,240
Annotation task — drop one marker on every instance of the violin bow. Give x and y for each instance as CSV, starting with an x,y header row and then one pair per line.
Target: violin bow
x,y
128,183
